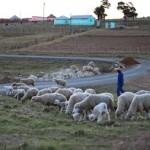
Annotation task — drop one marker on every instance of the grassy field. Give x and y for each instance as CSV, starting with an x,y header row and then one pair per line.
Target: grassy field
x,y
25,127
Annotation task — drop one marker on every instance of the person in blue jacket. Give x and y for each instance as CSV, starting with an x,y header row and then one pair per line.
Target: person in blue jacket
x,y
120,82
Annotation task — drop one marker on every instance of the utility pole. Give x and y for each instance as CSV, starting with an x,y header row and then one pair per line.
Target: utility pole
x,y
43,10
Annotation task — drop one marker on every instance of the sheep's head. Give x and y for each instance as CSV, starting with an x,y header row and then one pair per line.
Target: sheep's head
x,y
91,117
130,115
118,113
34,99
76,116
76,108
57,102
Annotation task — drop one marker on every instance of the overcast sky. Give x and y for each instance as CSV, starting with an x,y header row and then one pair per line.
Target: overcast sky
x,y
29,8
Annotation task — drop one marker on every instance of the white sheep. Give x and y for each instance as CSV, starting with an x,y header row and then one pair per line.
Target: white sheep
x,y
19,92
75,98
15,84
44,91
140,103
29,94
142,92
123,103
28,81
49,98
91,91
66,92
9,89
78,90
62,105
91,101
54,89
61,82
100,112
21,87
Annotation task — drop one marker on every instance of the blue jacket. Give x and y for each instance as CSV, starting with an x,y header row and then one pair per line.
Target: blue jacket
x,y
120,79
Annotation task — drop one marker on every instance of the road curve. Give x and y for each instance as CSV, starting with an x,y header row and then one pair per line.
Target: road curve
x,y
132,72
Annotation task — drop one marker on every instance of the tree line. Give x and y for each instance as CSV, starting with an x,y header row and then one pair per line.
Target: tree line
x,y
127,9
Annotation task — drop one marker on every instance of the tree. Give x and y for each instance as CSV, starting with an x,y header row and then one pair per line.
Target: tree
x,y
100,11
127,9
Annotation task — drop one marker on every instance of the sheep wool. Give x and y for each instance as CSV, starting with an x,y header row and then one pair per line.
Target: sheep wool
x,y
140,103
61,82
75,98
123,103
100,112
66,92
29,94
49,98
44,91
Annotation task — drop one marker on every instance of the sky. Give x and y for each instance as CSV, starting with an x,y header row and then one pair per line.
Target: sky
x,y
29,8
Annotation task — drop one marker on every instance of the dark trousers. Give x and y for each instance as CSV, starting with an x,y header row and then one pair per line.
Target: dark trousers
x,y
119,89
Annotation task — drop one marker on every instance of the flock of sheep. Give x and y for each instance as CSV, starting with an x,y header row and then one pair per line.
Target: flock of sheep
x,y
82,105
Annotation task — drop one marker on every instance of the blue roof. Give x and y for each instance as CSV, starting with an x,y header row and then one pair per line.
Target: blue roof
x,y
62,17
81,16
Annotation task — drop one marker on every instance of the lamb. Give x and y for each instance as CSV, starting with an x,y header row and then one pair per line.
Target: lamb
x,y
49,98
29,94
21,87
28,81
123,103
61,82
140,103
75,98
19,92
44,91
91,91
91,101
9,89
100,112
62,105
66,92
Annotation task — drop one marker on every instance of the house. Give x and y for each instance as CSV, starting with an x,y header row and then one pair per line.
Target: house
x,y
14,18
51,17
37,18
85,20
62,20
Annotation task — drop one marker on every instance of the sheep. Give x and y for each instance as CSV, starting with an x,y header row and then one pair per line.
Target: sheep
x,y
21,87
140,103
9,89
49,98
44,91
75,98
54,89
61,82
123,103
78,90
19,92
142,92
66,92
99,112
92,100
62,105
15,84
91,91
29,94
28,81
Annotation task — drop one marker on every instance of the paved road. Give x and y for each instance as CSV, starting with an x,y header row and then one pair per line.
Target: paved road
x,y
132,72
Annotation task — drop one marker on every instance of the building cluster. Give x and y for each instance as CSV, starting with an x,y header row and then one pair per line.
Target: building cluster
x,y
88,20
